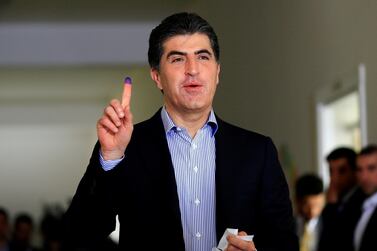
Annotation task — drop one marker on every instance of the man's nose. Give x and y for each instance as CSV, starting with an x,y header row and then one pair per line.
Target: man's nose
x,y
334,179
192,67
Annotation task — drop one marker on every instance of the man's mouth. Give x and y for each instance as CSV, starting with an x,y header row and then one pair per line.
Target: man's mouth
x,y
192,85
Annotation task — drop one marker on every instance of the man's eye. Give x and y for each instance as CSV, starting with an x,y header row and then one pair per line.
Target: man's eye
x,y
176,60
203,57
372,168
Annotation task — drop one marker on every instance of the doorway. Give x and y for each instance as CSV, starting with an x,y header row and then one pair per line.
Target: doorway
x,y
341,117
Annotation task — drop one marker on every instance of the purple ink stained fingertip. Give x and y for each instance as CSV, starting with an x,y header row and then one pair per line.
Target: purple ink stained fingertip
x,y
128,80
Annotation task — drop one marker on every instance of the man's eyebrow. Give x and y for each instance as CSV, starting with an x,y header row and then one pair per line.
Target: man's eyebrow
x,y
173,53
203,51
180,53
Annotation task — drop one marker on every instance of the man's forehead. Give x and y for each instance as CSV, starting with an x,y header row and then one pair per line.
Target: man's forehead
x,y
368,158
339,162
183,41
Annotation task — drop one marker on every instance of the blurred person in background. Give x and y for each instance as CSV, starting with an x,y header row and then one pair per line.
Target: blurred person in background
x,y
310,200
4,230
51,229
343,197
342,165
365,231
22,233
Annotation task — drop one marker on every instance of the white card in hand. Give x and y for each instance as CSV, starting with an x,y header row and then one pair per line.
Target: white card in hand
x,y
223,243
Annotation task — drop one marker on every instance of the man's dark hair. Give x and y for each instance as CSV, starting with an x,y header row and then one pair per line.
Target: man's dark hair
x,y
308,184
23,218
368,150
179,24
343,152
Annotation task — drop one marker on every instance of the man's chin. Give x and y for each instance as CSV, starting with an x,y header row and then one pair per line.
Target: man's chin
x,y
196,108
369,191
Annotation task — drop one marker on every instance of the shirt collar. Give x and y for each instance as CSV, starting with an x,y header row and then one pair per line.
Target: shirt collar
x,y
169,124
312,224
371,202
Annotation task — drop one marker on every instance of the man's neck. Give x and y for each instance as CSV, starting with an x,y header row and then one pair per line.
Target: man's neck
x,y
372,195
191,121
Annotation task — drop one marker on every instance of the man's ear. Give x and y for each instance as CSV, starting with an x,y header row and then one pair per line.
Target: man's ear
x,y
155,75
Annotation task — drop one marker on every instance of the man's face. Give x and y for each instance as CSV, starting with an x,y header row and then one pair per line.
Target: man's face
x,y
311,206
188,74
366,173
342,176
23,232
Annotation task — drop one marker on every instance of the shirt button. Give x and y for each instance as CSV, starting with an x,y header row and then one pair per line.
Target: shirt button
x,y
198,235
194,146
197,201
195,169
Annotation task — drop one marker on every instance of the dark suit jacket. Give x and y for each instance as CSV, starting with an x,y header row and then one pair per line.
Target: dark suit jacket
x,y
251,193
339,222
369,240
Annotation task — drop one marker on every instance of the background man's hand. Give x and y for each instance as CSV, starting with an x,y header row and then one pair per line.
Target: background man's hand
x,y
237,244
114,128
332,195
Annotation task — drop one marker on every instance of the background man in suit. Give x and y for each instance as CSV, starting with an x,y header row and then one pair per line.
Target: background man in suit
x,y
366,173
342,164
179,179
343,201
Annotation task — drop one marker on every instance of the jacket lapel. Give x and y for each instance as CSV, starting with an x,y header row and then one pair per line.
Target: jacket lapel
x,y
223,178
160,153
368,241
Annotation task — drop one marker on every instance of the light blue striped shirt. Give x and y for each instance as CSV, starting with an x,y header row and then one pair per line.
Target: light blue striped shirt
x,y
194,168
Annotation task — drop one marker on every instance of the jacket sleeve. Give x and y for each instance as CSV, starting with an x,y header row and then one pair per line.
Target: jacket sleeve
x,y
278,225
90,217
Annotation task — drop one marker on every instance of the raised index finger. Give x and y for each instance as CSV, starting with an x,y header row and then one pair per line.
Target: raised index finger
x,y
127,89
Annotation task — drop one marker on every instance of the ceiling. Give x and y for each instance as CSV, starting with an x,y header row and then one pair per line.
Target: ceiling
x,y
89,10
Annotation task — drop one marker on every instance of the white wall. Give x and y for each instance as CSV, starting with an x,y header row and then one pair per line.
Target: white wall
x,y
276,54
47,43
47,128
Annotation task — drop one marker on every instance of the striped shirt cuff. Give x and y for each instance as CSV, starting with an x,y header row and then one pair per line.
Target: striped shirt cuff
x,y
108,165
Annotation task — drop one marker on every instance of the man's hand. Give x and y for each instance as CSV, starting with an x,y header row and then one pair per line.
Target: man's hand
x,y
114,128
237,244
332,195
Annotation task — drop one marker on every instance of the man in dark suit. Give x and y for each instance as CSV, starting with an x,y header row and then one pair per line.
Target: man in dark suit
x,y
344,199
366,173
180,179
